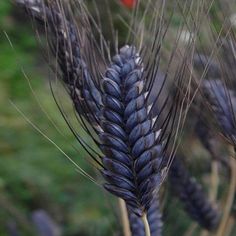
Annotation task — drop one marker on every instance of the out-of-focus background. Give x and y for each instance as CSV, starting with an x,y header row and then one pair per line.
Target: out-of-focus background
x,y
36,180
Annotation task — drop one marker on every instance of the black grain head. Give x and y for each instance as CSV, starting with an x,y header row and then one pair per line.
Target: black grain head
x,y
132,136
215,66
154,217
122,103
222,104
192,196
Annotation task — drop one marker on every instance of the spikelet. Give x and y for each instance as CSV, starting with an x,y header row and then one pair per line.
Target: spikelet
x,y
154,219
129,142
217,80
192,197
65,47
222,102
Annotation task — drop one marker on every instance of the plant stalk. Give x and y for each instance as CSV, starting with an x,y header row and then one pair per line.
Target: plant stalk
x,y
124,218
146,225
214,181
229,199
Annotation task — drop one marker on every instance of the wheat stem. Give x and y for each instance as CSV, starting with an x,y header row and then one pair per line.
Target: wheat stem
x,y
146,225
214,181
191,193
191,229
229,226
229,200
124,218
204,233
214,188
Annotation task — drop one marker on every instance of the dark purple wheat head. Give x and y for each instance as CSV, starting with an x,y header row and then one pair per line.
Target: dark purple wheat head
x,y
130,143
133,137
222,104
154,219
65,45
191,194
217,79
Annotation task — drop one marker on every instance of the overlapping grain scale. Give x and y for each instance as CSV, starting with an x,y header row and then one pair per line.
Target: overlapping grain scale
x,y
222,102
129,142
192,197
77,78
65,46
154,220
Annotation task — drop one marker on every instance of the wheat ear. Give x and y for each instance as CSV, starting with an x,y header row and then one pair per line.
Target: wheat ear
x,y
222,101
65,45
154,220
129,141
192,197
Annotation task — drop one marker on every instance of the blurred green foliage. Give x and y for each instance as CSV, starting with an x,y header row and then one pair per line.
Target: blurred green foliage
x,y
33,173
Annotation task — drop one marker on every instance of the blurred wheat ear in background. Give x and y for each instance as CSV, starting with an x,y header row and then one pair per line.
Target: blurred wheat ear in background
x,y
142,100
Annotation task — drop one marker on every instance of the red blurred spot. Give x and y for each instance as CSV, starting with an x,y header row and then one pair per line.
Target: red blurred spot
x,y
129,3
